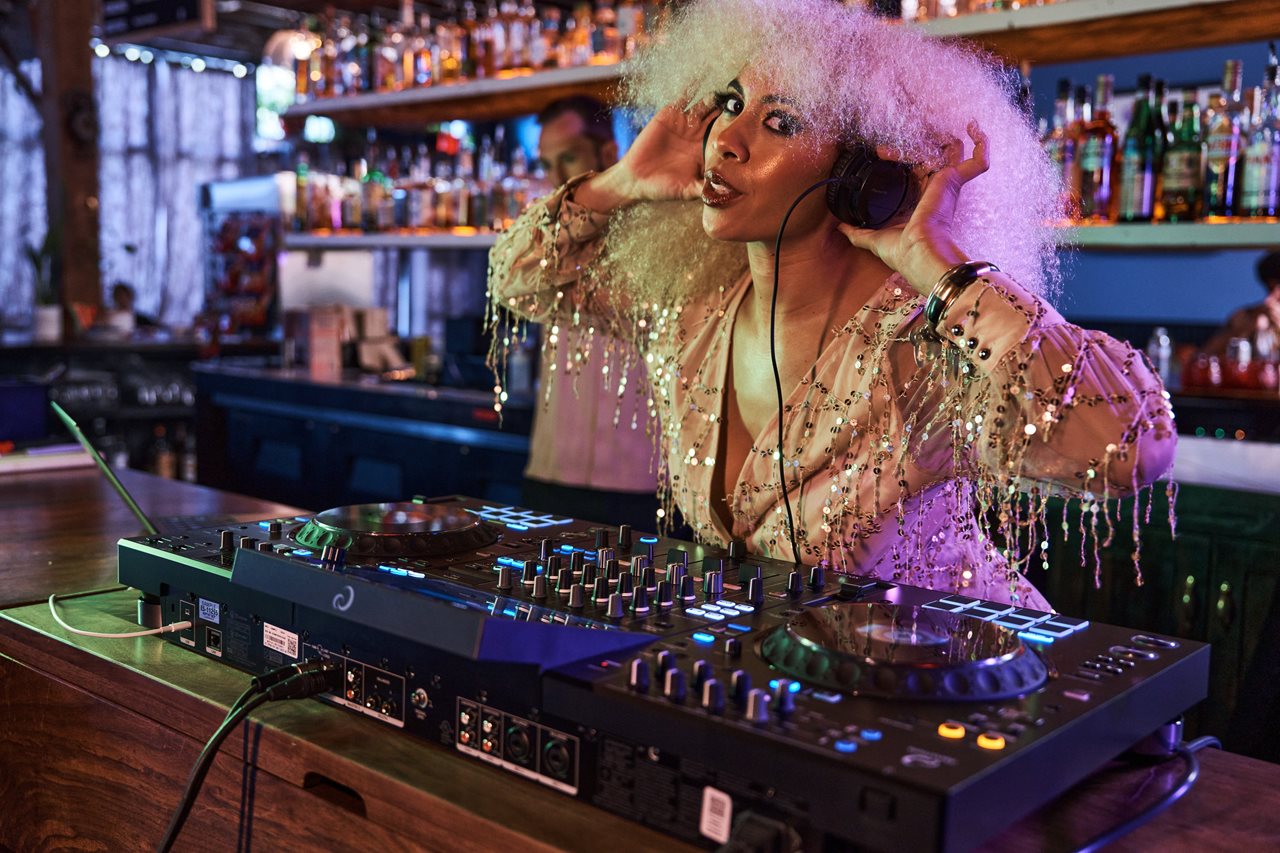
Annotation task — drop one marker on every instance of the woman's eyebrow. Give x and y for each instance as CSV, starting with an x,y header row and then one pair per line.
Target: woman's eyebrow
x,y
766,99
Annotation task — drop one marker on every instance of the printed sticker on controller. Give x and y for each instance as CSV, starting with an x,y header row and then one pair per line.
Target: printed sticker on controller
x,y
280,640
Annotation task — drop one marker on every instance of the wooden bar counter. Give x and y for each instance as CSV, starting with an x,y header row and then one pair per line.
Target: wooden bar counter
x,y
97,736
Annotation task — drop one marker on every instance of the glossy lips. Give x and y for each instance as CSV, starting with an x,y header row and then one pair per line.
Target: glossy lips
x,y
716,191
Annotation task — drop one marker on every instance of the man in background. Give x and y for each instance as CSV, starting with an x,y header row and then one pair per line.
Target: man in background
x,y
580,463
1253,321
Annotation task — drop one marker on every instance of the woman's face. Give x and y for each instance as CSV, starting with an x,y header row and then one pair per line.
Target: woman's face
x,y
759,158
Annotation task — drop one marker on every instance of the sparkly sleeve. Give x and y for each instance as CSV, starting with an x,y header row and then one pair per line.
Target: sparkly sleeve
x,y
544,259
1059,404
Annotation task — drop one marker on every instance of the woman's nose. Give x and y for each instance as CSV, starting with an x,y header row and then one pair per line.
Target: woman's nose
x,y
727,141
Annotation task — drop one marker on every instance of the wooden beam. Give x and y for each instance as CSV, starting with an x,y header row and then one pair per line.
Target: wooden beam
x,y
69,111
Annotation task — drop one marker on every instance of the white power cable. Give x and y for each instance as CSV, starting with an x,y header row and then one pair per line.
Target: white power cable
x,y
163,629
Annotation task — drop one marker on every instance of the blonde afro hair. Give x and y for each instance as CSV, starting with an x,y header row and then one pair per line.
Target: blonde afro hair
x,y
851,76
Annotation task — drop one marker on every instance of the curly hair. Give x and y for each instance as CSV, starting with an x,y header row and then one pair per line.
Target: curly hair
x,y
851,76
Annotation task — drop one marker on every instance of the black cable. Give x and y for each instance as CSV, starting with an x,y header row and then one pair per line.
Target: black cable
x,y
292,682
1187,752
773,356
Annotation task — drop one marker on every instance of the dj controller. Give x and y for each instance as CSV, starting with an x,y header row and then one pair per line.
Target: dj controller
x,y
710,694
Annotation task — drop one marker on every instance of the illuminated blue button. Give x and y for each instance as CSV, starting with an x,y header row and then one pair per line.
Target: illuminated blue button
x,y
509,612
401,572
511,561
712,615
566,549
846,745
414,574
872,734
265,525
1035,637
794,688
302,518
696,611
301,552
828,696
724,602
518,526
742,629
649,540
746,608
704,638
714,608
558,521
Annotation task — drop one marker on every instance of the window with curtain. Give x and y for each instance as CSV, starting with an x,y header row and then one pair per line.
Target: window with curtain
x,y
22,205
165,130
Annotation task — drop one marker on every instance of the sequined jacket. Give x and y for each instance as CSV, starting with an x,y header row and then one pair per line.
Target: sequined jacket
x,y
910,455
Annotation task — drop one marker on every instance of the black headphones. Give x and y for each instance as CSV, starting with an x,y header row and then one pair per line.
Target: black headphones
x,y
869,192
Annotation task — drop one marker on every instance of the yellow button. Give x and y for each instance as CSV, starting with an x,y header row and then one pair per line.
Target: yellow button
x,y
991,740
954,731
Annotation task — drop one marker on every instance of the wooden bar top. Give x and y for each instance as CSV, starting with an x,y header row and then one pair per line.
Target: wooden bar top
x,y
58,529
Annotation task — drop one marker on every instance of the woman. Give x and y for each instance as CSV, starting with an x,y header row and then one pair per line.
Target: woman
x,y
906,438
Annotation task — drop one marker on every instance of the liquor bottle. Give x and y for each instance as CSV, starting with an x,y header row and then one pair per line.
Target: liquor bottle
x,y
163,461
1097,156
1224,128
1180,185
546,52
302,89
606,45
1138,159
630,26
302,196
371,187
424,53
1075,133
1060,145
580,36
1164,113
326,76
1260,188
470,55
449,39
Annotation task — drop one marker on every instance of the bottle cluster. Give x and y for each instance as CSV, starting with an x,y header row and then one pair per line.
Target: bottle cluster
x,y
417,189
927,10
1174,162
359,54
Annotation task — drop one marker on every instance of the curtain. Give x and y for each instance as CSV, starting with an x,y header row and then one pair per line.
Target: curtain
x,y
22,203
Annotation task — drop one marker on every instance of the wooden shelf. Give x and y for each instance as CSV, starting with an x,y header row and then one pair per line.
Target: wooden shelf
x,y
1190,236
1072,30
473,100
329,242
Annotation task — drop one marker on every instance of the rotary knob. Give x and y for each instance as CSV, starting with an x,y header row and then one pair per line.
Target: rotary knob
x,y
615,609
673,686
600,593
577,596
226,540
701,672
529,572
817,578
544,550
624,538
687,593
757,707
795,584
784,702
740,686
664,596
713,585
274,529
588,573
737,550
540,588
564,580
505,583
664,660
638,678
602,538
640,601
755,592
713,696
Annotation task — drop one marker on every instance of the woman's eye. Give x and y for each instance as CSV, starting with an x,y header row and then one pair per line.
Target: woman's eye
x,y
783,124
729,103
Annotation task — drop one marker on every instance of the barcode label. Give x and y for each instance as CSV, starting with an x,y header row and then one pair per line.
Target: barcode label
x,y
280,640
717,815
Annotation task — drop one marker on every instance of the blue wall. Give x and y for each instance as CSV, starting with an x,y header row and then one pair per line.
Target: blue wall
x,y
1189,287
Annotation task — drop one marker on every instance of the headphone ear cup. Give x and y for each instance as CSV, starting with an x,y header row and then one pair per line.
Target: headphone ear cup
x,y
869,192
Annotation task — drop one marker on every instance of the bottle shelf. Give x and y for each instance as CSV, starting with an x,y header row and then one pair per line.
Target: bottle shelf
x,y
474,100
1189,236
1093,29
442,240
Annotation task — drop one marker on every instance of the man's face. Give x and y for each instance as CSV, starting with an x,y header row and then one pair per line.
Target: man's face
x,y
565,152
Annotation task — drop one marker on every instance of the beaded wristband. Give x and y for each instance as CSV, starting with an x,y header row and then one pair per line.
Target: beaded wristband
x,y
953,281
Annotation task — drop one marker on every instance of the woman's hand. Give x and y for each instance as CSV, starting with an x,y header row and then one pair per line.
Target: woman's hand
x,y
922,248
663,164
